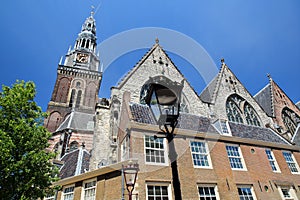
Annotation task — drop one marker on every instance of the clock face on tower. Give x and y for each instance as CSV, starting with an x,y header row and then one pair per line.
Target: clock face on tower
x,y
82,58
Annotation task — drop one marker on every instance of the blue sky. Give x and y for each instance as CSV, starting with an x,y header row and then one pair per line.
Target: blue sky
x,y
255,38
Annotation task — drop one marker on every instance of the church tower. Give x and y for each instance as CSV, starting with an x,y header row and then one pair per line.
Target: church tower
x,y
78,78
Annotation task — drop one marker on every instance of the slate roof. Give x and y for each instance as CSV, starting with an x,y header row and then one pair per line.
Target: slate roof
x,y
207,94
78,121
142,114
256,133
71,162
264,98
296,138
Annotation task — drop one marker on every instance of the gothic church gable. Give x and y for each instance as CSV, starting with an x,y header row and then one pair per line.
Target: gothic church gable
x,y
157,63
229,99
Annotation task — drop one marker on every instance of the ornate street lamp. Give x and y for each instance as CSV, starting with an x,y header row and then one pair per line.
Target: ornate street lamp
x,y
163,97
130,172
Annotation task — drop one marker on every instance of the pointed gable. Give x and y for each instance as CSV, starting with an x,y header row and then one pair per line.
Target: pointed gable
x,y
155,63
226,86
279,106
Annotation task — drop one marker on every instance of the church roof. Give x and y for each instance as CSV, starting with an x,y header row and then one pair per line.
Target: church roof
x,y
207,94
75,163
142,114
265,99
78,121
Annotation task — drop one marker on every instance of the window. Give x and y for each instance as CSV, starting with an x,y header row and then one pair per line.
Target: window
x,y
272,160
235,157
246,193
290,120
223,127
233,112
78,99
288,156
250,115
200,154
239,110
68,193
155,150
89,190
158,192
208,192
287,192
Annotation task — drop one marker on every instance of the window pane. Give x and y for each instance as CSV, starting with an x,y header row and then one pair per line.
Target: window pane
x,y
199,153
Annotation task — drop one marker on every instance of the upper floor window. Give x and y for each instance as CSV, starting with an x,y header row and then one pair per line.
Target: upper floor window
x,y
239,110
155,150
289,158
68,193
235,157
89,190
272,160
200,154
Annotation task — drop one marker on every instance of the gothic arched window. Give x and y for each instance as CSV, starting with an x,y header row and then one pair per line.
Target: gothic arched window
x,y
78,99
239,110
234,114
290,120
250,115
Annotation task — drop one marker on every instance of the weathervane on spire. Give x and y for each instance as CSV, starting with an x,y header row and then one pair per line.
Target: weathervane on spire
x,y
93,10
156,40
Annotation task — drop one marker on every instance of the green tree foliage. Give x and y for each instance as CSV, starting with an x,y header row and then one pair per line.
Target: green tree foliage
x,y
26,171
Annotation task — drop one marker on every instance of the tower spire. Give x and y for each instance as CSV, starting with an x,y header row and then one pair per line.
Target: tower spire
x,y
87,37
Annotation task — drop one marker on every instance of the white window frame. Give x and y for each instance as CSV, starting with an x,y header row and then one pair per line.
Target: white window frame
x,y
291,192
244,168
84,190
159,184
251,189
273,159
209,185
207,154
165,156
290,162
220,124
63,195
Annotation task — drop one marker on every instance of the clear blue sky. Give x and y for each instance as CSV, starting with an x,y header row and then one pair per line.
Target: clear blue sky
x,y
255,37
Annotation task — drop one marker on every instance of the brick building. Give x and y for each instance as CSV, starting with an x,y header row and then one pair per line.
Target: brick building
x,y
230,144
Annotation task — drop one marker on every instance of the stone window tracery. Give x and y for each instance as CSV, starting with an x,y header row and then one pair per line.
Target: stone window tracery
x,y
239,110
233,111
290,120
251,116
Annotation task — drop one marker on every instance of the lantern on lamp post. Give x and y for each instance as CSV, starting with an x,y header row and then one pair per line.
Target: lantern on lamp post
x,y
130,172
164,97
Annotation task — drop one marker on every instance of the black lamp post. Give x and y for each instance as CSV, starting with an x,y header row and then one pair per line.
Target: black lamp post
x,y
164,100
130,173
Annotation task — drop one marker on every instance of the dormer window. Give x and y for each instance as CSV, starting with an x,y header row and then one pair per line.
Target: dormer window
x,y
223,127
